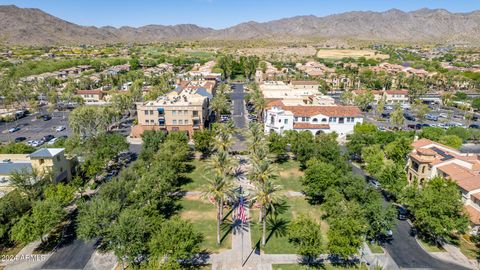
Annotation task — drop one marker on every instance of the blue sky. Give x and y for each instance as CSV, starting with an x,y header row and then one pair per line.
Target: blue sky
x,y
217,13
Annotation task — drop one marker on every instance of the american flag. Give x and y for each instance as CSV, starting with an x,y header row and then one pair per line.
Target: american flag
x,y
241,210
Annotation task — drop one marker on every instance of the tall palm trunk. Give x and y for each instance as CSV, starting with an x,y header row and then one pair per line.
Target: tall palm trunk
x,y
219,220
264,226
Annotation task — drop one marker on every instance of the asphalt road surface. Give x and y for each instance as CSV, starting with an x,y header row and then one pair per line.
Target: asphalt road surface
x,y
72,256
237,97
33,128
405,250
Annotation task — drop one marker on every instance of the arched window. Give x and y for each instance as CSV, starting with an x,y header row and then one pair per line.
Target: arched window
x,y
324,120
315,120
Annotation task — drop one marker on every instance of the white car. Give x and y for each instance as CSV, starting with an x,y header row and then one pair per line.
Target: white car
x,y
35,143
60,128
52,141
443,115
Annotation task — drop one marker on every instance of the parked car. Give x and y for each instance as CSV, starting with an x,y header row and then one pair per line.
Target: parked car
x,y
20,139
402,213
52,141
14,129
431,117
60,128
386,115
46,117
388,107
443,115
47,138
35,143
474,126
374,183
409,117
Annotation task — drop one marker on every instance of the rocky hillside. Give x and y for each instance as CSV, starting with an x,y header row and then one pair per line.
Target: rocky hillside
x,y
33,26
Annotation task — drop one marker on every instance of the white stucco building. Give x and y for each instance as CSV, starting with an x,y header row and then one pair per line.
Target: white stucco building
x,y
316,119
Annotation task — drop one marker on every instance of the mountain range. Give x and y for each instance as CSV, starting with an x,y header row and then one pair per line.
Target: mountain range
x,y
30,26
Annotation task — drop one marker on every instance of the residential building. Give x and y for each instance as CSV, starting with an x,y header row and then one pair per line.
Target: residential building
x,y
429,159
278,90
310,85
92,97
280,117
51,160
314,69
391,96
183,109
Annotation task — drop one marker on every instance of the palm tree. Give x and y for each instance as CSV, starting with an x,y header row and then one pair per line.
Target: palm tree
x,y
255,138
259,102
220,163
219,189
262,171
219,104
222,141
266,196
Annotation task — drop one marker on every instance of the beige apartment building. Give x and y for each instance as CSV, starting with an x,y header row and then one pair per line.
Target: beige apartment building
x,y
180,110
44,160
429,159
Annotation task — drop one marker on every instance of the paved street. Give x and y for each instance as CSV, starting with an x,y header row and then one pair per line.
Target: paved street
x,y
405,250
33,128
239,117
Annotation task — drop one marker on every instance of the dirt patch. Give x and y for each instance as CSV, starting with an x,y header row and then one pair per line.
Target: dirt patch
x,y
338,54
293,172
197,215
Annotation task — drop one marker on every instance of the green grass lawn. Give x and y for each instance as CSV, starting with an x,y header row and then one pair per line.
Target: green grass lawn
x,y
198,176
467,247
430,247
323,266
375,248
289,175
203,215
278,242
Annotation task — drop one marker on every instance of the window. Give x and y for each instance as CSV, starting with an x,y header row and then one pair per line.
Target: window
x,y
179,112
146,112
341,120
161,122
185,112
41,161
279,120
333,119
324,120
180,122
315,120
174,112
423,168
272,120
58,158
195,113
174,122
151,112
285,121
186,122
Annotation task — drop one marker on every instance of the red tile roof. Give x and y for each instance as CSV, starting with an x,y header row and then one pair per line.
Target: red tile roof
x,y
304,82
334,111
311,126
397,92
89,92
473,214
308,110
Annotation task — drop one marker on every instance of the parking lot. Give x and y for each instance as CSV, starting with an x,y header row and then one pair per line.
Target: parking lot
x,y
34,129
452,117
